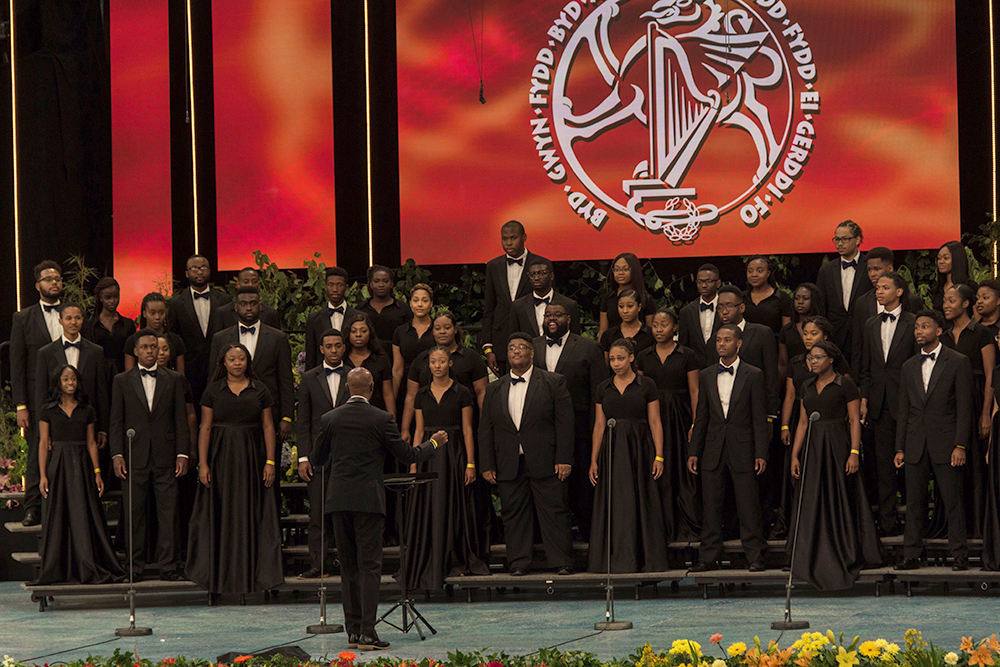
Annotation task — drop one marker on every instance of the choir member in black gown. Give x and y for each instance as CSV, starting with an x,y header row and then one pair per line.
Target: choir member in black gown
x,y
952,269
988,305
441,530
765,303
365,349
235,539
634,455
107,327
625,274
806,302
674,368
836,535
976,342
75,547
153,315
386,311
630,326
408,341
991,519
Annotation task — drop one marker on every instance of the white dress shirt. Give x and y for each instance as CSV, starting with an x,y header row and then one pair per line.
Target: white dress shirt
x,y
847,279
72,353
148,385
51,320
249,340
540,308
515,401
514,272
333,380
726,386
553,352
707,317
202,308
889,330
337,319
927,367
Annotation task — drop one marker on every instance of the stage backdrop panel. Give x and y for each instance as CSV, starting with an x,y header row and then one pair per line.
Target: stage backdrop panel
x,y
273,131
140,149
675,127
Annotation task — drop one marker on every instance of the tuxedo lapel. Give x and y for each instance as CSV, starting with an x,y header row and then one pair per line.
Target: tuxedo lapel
x,y
61,354
159,387
39,322
136,381
749,336
838,286
566,356
898,335
713,393
529,396
505,401
187,300
940,366
739,382
324,385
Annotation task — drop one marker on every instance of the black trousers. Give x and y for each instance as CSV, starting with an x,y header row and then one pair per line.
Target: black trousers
x,y
889,480
949,480
318,546
164,487
359,540
581,491
713,493
520,499
32,475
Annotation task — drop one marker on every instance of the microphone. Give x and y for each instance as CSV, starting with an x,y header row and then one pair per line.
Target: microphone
x,y
131,432
814,417
612,422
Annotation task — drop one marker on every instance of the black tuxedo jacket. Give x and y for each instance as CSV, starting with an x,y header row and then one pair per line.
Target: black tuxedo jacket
x,y
161,434
272,362
546,434
522,313
582,364
28,335
759,349
317,323
939,419
828,281
689,333
199,364
355,438
91,367
225,317
880,375
497,308
315,400
866,308
744,433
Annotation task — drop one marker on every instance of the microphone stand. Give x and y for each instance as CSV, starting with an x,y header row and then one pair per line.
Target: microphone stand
x,y
323,628
131,630
609,622
788,623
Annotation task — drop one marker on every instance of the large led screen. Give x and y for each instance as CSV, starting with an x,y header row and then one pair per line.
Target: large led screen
x,y
675,127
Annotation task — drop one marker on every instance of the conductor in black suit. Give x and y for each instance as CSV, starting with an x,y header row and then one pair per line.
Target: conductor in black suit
x,y
321,389
730,433
32,329
528,312
332,316
506,281
843,281
149,399
192,315
226,315
354,438
935,423
526,447
699,321
581,361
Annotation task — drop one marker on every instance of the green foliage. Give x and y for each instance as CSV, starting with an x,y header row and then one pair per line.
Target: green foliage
x,y
13,447
77,282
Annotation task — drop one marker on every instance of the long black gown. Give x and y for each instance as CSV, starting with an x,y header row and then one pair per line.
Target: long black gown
x,y
234,545
681,491
799,371
441,535
638,528
991,511
837,537
75,544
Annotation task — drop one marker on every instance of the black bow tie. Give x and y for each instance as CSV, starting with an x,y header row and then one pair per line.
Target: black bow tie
x,y
707,306
49,309
887,316
247,330
539,302
511,260
853,264
339,370
727,369
202,295
924,357
516,380
147,372
553,341
67,345
330,311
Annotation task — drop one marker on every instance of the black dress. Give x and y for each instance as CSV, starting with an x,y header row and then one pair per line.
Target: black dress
x,y
441,534
410,346
837,537
386,322
114,341
75,545
991,512
467,366
790,337
769,311
799,372
234,545
380,366
609,306
681,490
640,341
638,526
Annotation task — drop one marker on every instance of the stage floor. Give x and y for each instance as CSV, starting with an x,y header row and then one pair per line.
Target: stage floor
x,y
516,623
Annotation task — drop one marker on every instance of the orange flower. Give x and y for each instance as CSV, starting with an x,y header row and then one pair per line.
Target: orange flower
x,y
347,655
242,658
981,656
966,644
994,644
716,638
170,661
805,658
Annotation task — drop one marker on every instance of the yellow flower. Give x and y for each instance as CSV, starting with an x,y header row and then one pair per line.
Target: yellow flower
x,y
847,658
951,658
869,649
739,648
892,649
881,643
685,646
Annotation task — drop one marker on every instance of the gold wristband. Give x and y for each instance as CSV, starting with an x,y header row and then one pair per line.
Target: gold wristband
x,y
962,447
434,442
784,427
269,462
470,465
287,419
22,407
96,470
854,451
659,458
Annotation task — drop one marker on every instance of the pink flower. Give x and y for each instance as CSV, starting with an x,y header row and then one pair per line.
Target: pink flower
x,y
716,638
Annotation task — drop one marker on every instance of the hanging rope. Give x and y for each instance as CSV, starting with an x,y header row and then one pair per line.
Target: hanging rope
x,y
478,46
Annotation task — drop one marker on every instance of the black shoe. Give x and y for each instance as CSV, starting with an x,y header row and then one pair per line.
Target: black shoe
x,y
311,573
908,564
30,518
371,643
960,565
171,575
564,571
518,572
352,640
702,566
757,566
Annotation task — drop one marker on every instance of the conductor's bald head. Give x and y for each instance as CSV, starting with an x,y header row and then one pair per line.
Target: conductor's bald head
x,y
360,382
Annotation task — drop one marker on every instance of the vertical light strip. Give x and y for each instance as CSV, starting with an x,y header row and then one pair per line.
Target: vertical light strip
x,y
368,140
13,128
194,150
993,117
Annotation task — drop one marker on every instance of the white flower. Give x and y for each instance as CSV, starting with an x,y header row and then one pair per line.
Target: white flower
x,y
951,659
719,663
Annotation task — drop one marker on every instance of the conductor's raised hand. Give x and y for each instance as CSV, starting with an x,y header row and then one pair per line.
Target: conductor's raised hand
x,y
268,474
305,471
441,438
693,465
760,465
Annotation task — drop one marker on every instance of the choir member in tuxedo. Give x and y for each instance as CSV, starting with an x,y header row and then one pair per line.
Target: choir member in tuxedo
x,y
842,282
321,389
699,320
988,305
363,348
887,342
758,347
528,312
625,274
935,423
730,435
506,281
975,341
149,399
354,439
226,315
332,316
153,315
386,311
526,449
630,326
952,269
108,328
806,302
270,352
581,361
880,261
409,340
765,303
191,316
33,328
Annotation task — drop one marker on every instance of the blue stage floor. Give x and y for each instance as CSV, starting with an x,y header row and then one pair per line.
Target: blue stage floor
x,y
516,623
